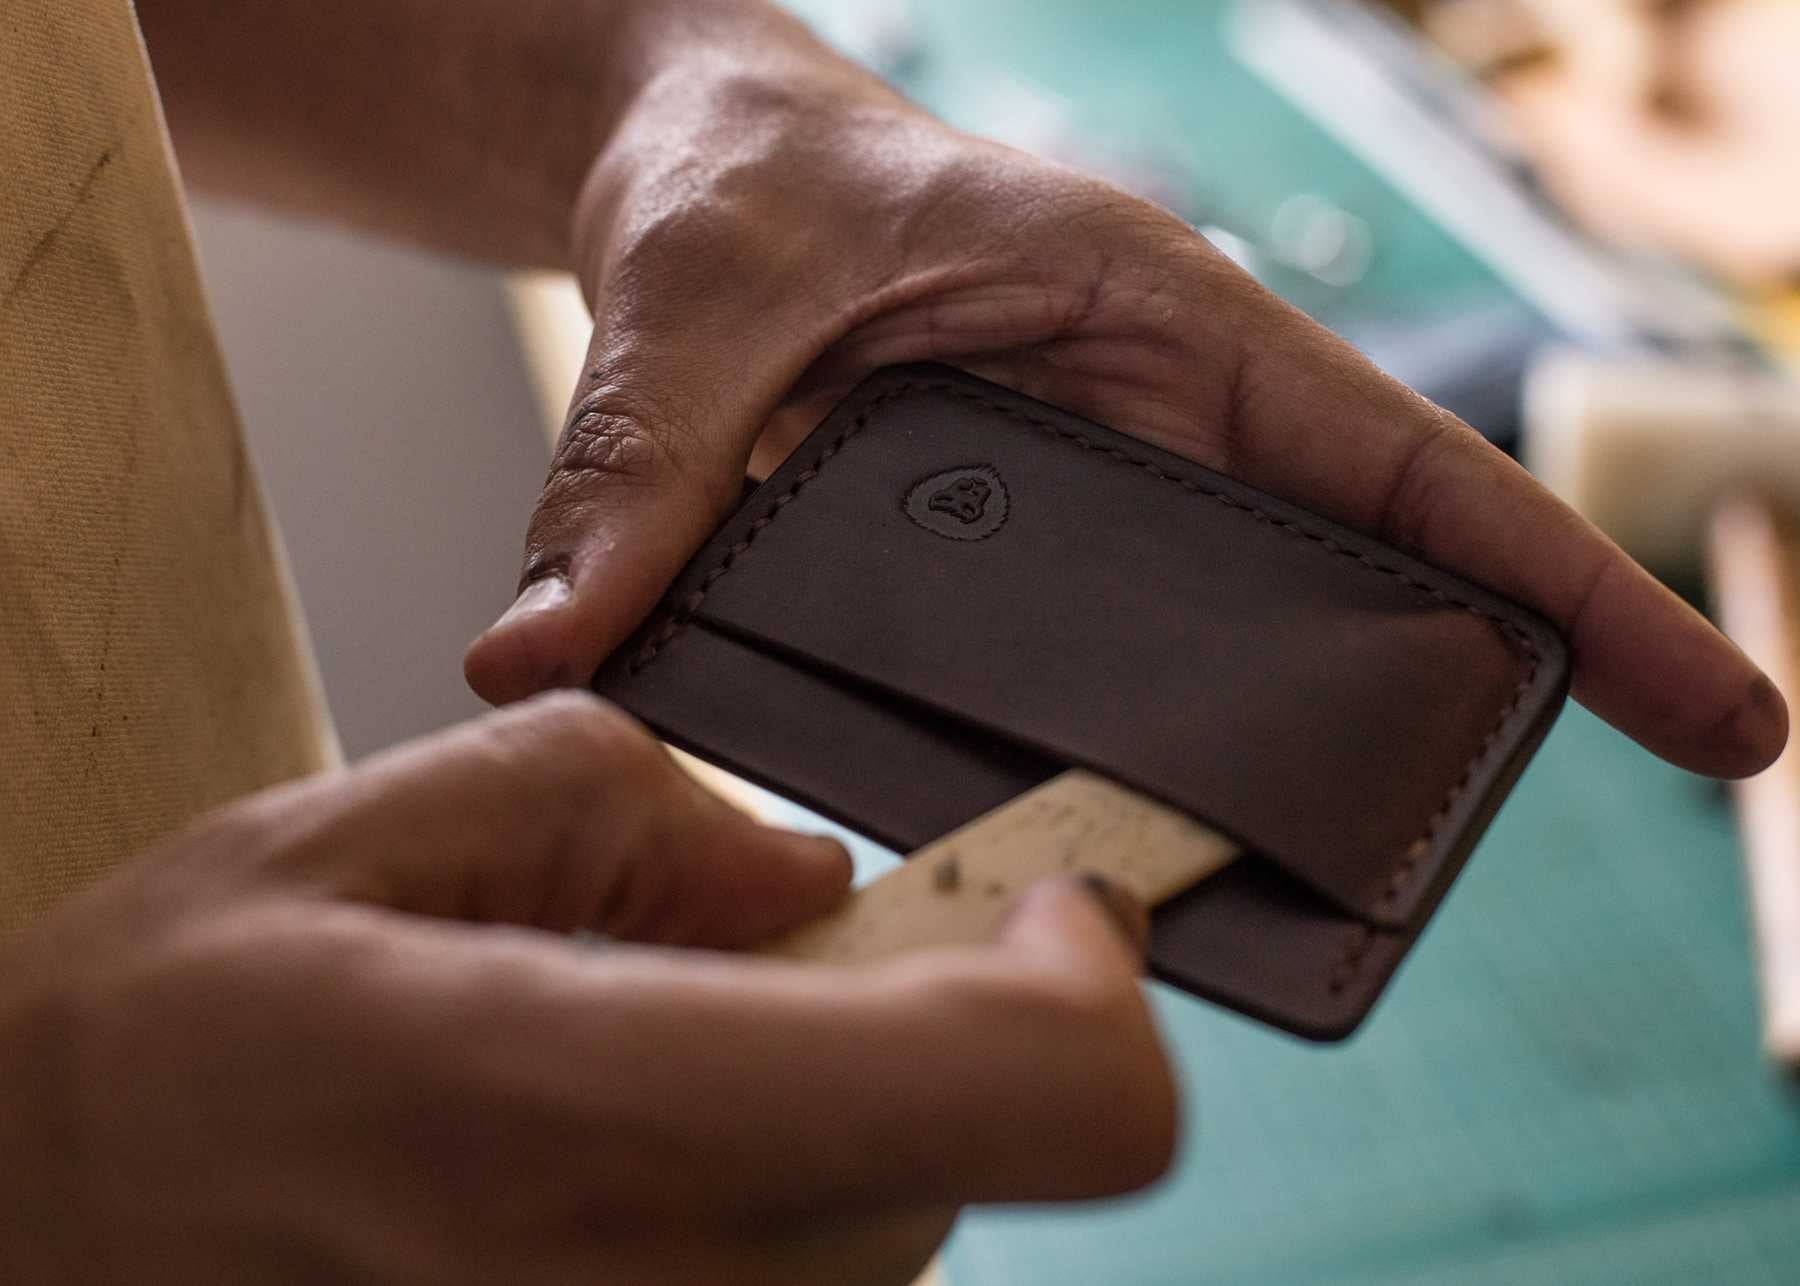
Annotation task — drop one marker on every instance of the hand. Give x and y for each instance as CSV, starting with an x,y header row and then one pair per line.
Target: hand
x,y
337,1033
767,227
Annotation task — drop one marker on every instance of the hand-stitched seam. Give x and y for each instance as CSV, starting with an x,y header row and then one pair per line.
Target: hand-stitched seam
x,y
677,618
1363,938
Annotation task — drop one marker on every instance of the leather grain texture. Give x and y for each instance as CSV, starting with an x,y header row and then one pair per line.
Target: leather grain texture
x,y
951,592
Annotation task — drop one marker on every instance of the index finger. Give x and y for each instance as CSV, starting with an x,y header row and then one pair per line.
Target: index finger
x,y
1311,420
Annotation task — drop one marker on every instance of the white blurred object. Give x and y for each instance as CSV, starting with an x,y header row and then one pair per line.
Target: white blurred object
x,y
1648,450
1689,468
1323,240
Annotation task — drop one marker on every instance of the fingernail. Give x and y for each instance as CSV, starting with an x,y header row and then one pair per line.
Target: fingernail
x,y
540,596
1759,726
1126,912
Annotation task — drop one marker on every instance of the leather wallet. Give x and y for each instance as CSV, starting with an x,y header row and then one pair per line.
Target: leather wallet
x,y
950,593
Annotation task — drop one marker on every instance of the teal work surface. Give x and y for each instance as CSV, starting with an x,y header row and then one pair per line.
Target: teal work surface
x,y
1563,1084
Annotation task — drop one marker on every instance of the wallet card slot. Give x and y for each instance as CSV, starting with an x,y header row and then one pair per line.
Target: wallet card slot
x,y
1256,940
980,738
1242,938
850,755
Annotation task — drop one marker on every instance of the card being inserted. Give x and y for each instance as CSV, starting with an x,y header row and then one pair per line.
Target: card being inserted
x,y
958,891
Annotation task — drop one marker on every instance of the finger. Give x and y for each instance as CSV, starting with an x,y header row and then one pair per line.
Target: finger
x,y
561,814
1249,386
682,376
1056,924
1317,423
1028,1070
632,493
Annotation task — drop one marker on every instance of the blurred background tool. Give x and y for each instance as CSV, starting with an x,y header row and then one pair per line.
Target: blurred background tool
x,y
1756,557
1441,139
1668,124
1690,468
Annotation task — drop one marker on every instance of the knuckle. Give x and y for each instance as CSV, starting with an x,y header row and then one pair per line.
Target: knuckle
x,y
572,726
582,737
609,438
689,223
618,447
1414,500
762,203
544,748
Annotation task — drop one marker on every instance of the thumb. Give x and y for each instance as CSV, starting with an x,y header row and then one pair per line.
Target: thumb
x,y
633,491
1086,927
682,378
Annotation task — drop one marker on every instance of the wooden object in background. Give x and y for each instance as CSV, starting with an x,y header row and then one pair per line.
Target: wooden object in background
x,y
1756,586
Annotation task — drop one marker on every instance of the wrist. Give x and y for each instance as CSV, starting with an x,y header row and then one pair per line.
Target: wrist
x,y
713,85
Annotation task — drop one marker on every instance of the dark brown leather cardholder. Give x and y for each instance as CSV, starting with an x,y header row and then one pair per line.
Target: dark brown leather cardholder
x,y
951,593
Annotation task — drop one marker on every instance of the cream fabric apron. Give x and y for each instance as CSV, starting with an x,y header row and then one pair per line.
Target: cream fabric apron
x,y
152,662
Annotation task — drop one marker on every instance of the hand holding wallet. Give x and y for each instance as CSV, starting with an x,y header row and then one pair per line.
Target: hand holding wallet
x,y
951,593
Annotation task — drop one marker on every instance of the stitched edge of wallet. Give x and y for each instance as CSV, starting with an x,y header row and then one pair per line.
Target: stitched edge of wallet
x,y
1362,938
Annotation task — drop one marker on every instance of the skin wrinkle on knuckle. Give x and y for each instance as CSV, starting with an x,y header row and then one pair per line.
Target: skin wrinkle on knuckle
x,y
615,444
672,242
1172,310
1574,620
944,199
618,448
541,756
735,206
610,777
569,732
744,201
1411,504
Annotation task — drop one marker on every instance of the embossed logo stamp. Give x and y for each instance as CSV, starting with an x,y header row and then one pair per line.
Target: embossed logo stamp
x,y
969,503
